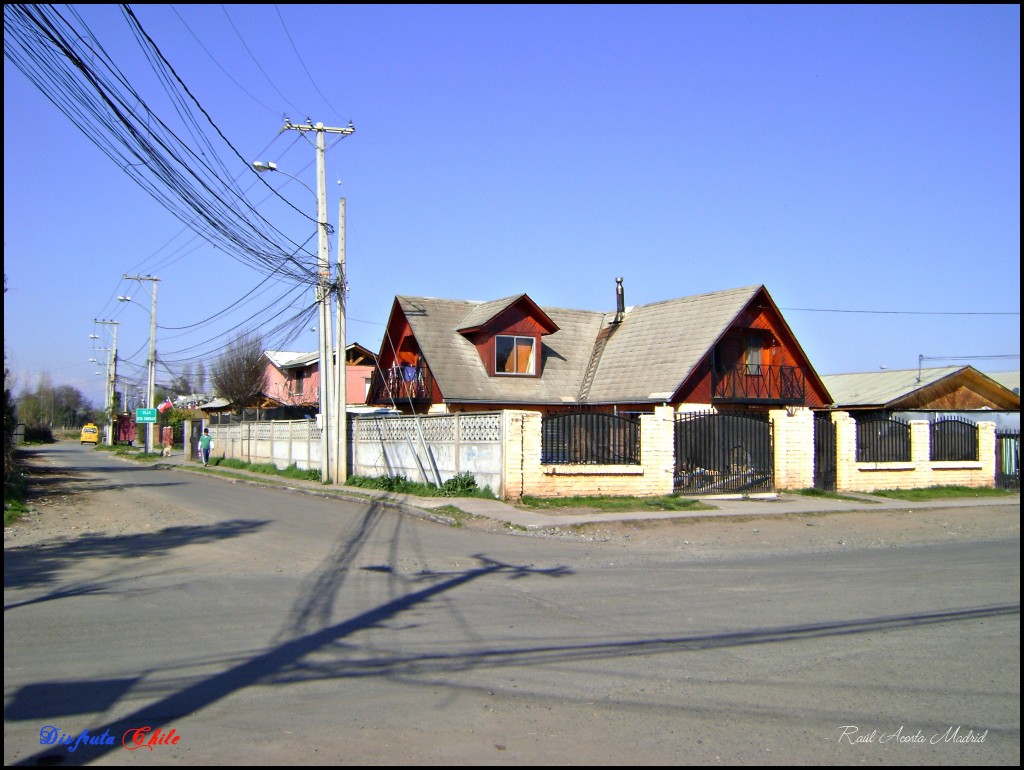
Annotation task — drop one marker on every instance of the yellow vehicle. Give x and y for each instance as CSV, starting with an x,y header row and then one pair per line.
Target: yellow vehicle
x,y
90,434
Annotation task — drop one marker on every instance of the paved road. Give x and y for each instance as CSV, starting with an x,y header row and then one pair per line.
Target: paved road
x,y
265,627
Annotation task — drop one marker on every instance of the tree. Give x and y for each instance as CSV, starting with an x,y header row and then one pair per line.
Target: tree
x,y
239,375
182,385
47,405
200,378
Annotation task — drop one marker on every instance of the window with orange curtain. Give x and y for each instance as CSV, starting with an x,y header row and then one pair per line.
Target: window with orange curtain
x,y
514,355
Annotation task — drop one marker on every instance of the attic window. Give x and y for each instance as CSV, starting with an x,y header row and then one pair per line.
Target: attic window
x,y
514,355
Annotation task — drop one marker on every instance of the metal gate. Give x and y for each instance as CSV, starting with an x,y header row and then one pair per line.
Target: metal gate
x,y
723,452
825,462
1008,459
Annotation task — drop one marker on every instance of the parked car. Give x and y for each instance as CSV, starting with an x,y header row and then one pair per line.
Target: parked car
x,y
90,434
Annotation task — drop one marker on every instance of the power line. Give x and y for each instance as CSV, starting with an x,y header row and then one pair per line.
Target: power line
x,y
896,312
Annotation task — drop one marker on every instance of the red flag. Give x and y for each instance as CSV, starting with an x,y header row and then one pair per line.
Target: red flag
x,y
164,406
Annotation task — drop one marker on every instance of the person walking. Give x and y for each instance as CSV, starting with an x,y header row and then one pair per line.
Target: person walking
x,y
205,445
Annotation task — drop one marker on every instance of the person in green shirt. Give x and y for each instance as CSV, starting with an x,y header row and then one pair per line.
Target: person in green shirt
x,y
205,445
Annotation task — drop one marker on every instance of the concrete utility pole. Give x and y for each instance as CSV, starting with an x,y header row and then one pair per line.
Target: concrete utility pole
x,y
328,383
151,373
108,398
341,413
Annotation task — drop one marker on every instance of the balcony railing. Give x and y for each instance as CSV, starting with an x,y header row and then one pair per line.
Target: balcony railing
x,y
748,383
401,384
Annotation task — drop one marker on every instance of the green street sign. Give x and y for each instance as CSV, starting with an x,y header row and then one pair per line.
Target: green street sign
x,y
145,415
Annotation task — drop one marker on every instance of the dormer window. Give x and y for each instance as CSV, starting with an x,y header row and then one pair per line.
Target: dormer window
x,y
514,355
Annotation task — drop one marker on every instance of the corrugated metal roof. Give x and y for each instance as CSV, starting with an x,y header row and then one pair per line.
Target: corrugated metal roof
x,y
284,359
882,387
1010,380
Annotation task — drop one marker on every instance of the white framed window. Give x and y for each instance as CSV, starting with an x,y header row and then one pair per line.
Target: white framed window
x,y
514,355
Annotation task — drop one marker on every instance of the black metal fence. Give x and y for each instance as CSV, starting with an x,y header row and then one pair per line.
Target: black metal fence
x,y
953,438
883,440
591,438
1008,459
723,452
825,457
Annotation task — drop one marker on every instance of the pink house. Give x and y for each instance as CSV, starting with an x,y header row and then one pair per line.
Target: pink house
x,y
293,379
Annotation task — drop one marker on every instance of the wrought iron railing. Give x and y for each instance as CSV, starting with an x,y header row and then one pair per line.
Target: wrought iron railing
x,y
954,438
883,440
759,383
401,384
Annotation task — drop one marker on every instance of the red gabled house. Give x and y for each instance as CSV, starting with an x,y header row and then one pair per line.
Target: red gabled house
x,y
728,349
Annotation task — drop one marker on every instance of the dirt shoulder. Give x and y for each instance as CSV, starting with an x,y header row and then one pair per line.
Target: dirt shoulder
x,y
66,502
798,533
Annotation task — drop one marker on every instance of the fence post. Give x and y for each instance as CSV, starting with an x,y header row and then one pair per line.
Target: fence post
x,y
657,450
921,450
846,452
987,450
793,432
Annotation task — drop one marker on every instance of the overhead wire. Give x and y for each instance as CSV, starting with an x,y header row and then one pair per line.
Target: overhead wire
x,y
67,62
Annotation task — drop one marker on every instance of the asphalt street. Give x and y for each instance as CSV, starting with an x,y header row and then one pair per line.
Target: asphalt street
x,y
253,625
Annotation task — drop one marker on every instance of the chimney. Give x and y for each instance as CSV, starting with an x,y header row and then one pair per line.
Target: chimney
x,y
620,302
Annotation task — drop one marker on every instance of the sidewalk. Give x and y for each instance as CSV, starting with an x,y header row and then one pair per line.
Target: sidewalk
x,y
723,505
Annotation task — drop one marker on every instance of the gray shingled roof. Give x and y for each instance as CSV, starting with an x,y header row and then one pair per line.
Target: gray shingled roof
x,y
459,372
482,312
657,346
646,358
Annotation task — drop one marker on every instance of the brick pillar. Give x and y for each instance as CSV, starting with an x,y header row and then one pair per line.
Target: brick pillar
x,y
657,450
793,433
846,452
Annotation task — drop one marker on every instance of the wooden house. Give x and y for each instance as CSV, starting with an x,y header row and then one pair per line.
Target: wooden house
x,y
728,349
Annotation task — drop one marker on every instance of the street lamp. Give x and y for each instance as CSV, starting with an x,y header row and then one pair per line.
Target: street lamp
x,y
151,378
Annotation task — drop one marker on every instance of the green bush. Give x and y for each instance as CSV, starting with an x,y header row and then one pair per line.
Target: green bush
x,y
293,471
462,485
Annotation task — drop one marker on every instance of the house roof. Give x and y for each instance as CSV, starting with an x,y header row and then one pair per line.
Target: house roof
x,y
664,340
907,388
484,312
456,366
1010,380
284,359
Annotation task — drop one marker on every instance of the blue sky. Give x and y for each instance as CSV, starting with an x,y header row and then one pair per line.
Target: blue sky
x,y
862,162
